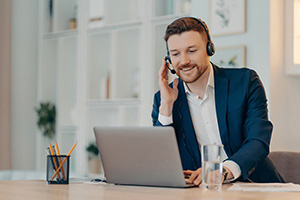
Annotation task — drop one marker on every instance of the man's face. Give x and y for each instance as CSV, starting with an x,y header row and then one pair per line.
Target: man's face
x,y
188,55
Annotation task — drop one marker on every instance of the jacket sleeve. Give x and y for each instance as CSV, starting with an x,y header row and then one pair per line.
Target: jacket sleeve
x,y
155,110
257,129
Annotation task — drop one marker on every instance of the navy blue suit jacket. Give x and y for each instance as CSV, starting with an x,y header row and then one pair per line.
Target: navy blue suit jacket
x,y
242,117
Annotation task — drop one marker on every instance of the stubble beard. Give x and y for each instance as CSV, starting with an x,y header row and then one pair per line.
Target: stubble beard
x,y
195,77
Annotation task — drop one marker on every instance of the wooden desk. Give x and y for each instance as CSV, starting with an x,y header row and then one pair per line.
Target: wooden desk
x,y
32,190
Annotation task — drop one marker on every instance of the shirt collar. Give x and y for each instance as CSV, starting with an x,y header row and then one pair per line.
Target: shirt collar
x,y
210,81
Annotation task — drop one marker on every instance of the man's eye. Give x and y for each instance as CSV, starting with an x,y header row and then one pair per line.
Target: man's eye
x,y
192,51
175,54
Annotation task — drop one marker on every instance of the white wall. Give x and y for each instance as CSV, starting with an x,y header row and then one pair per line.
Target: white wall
x,y
285,90
24,82
256,37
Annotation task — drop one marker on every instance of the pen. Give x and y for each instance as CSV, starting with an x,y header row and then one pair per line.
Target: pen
x,y
52,153
63,161
62,169
56,157
51,159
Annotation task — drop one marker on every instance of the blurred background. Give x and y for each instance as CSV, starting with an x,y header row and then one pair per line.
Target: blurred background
x,y
69,65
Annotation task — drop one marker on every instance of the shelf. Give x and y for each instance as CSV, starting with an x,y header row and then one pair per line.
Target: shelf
x,y
164,7
58,15
60,34
116,57
69,129
112,103
164,19
116,11
117,26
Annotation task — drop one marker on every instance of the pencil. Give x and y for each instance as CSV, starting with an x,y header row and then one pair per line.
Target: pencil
x,y
62,169
52,153
61,164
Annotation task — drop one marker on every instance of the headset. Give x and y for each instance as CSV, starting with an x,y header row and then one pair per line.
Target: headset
x,y
210,47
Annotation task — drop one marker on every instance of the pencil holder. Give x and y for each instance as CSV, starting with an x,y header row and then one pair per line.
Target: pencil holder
x,y
58,169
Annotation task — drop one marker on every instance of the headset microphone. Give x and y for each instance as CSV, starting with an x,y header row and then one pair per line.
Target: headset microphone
x,y
167,59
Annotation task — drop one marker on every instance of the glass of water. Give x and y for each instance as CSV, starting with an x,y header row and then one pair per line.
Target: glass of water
x,y
211,167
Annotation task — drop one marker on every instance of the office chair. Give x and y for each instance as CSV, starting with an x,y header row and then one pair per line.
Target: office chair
x,y
287,164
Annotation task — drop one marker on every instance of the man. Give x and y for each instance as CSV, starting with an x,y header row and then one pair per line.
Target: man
x,y
208,104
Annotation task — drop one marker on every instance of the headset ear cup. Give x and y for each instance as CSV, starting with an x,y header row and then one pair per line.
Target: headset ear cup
x,y
210,48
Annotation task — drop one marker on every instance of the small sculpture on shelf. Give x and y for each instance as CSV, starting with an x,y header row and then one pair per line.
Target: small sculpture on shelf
x,y
46,118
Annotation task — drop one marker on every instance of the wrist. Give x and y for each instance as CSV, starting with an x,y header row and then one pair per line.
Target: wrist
x,y
166,109
227,174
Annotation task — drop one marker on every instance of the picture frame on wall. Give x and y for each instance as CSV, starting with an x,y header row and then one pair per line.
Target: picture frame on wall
x,y
227,17
230,57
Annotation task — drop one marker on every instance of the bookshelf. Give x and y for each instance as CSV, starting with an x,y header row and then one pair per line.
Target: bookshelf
x,y
101,71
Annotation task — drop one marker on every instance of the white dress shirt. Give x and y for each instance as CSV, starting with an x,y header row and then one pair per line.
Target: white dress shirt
x,y
204,117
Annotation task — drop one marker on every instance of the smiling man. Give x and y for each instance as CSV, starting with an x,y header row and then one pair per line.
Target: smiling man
x,y
208,104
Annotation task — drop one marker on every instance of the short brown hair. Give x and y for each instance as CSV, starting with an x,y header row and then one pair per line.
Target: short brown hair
x,y
185,24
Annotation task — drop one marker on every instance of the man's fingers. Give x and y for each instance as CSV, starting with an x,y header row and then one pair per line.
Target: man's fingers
x,y
188,172
201,184
175,83
198,180
163,71
196,176
193,176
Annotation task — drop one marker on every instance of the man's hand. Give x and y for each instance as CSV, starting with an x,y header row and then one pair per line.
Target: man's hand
x,y
229,175
168,95
195,177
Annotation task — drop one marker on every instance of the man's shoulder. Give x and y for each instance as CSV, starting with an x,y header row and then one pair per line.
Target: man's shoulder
x,y
238,74
232,72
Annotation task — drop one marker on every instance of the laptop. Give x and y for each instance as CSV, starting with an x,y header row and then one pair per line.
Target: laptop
x,y
146,156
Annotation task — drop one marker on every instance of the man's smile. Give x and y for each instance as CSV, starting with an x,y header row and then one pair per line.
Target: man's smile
x,y
188,68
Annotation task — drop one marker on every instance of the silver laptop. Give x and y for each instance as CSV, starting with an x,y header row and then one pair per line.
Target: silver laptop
x,y
146,156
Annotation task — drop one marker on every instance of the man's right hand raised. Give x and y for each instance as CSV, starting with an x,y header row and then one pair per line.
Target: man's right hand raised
x,y
168,95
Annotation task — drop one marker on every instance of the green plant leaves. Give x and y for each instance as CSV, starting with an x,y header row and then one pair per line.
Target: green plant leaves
x,y
46,118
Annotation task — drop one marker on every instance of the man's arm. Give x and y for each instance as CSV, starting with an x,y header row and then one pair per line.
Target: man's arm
x,y
257,129
155,110
165,98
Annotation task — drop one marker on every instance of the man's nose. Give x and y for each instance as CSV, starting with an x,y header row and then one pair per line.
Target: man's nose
x,y
185,59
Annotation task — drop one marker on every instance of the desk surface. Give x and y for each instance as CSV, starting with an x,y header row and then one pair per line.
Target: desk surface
x,y
31,190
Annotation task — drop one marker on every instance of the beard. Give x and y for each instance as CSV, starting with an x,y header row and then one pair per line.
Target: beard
x,y
194,72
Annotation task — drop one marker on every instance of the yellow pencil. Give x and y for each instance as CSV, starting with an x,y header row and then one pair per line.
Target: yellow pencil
x,y
57,150
61,164
53,158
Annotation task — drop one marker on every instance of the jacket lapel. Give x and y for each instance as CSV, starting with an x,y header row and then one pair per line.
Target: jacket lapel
x,y
221,98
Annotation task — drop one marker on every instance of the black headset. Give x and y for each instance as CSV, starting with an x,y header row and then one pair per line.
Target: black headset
x,y
210,47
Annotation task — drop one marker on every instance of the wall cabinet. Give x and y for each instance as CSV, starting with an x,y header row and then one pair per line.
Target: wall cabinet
x,y
98,62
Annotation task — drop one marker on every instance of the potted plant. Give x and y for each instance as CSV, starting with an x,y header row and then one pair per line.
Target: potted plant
x,y
94,159
46,118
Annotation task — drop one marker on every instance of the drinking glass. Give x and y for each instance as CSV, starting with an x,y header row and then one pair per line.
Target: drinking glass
x,y
211,166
